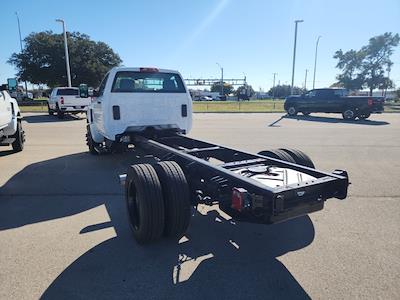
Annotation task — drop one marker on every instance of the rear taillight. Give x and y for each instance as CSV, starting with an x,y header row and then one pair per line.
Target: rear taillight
x,y
240,199
370,101
62,100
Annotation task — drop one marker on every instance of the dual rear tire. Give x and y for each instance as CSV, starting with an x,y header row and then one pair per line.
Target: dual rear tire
x,y
158,201
290,155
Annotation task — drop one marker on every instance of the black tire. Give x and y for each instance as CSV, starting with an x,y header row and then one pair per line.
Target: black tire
x,y
92,145
349,114
176,198
364,116
60,114
145,203
300,157
50,111
18,144
292,110
278,154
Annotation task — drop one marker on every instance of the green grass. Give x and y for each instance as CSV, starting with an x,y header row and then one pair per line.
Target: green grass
x,y
37,108
229,106
238,106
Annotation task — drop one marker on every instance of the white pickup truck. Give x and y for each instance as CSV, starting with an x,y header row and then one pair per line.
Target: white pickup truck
x,y
151,109
135,100
66,100
11,132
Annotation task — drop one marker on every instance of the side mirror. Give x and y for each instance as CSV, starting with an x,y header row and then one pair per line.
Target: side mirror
x,y
83,90
3,87
95,93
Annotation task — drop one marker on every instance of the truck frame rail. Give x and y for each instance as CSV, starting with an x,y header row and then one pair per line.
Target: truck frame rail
x,y
211,174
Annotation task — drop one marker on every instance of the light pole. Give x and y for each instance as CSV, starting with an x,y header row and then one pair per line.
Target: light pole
x,y
315,60
273,87
66,52
305,80
20,43
294,51
222,79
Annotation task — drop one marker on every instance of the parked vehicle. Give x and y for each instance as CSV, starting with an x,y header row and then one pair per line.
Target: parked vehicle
x,y
152,110
11,132
66,100
205,98
334,101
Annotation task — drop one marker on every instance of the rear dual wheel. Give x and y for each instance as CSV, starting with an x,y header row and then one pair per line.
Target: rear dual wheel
x,y
289,155
158,202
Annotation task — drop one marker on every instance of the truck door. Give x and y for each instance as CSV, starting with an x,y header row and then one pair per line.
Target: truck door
x,y
97,106
319,101
5,111
308,102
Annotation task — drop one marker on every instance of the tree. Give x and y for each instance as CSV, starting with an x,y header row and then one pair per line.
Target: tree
x,y
244,92
216,87
42,60
377,60
366,67
350,62
282,91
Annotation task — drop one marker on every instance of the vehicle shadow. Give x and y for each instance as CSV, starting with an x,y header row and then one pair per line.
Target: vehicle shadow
x,y
335,120
44,118
218,259
6,152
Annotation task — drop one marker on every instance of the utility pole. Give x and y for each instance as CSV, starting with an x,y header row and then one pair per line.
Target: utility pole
x,y
315,60
66,52
294,52
305,80
20,43
222,79
273,87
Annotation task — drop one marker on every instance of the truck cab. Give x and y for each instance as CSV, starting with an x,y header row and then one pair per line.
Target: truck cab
x,y
134,100
11,132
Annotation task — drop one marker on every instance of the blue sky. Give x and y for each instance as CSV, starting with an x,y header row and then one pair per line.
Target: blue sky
x,y
252,37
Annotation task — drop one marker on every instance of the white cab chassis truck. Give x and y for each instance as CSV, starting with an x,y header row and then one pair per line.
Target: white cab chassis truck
x,y
11,132
64,100
151,109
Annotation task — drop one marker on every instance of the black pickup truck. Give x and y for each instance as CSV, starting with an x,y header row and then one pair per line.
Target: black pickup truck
x,y
334,101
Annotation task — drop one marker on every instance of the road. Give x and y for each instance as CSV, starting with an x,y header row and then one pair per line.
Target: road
x,y
64,232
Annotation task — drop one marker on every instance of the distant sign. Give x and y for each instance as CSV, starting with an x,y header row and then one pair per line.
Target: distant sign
x,y
12,84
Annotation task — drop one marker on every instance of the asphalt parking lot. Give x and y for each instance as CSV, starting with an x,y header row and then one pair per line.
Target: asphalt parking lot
x,y
64,232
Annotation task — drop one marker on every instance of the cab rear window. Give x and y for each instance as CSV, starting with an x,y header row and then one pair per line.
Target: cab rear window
x,y
67,92
147,82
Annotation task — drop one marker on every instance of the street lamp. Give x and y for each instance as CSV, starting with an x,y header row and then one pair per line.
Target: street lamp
x,y
66,52
294,51
20,43
273,87
315,60
222,79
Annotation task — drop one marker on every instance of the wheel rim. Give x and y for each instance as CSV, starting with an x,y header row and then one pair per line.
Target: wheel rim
x,y
133,207
349,114
291,110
